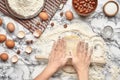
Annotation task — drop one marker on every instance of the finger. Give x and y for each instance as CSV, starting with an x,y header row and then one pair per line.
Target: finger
x,y
64,46
60,50
61,45
58,43
72,55
86,49
78,47
65,60
82,47
52,51
89,54
53,47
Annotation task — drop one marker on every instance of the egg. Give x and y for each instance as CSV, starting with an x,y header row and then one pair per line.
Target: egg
x,y
1,21
44,16
10,44
69,15
2,38
4,56
10,27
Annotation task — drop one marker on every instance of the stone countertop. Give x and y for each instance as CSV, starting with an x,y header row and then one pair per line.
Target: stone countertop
x,y
27,68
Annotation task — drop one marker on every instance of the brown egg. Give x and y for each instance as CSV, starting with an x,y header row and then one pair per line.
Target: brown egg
x,y
2,38
10,27
10,44
4,56
69,15
1,21
44,16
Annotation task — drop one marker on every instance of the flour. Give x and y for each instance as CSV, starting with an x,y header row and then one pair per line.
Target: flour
x,y
26,7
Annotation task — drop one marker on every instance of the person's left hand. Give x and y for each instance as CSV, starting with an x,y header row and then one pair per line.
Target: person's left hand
x,y
57,58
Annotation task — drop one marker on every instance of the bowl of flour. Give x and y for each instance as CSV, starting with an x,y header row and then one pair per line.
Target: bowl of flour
x,y
24,9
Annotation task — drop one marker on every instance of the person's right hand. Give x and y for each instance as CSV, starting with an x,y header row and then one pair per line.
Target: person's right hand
x,y
81,60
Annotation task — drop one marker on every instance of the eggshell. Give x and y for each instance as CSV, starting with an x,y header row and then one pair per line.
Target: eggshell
x,y
14,59
44,16
1,22
10,44
21,34
4,56
2,38
69,15
28,49
37,33
10,27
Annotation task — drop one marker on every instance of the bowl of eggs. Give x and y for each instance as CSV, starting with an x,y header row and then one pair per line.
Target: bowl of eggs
x,y
84,7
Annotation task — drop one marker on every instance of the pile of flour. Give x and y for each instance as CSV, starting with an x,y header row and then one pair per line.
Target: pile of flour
x,y
26,7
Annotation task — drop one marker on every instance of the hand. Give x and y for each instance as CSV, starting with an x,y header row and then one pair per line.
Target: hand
x,y
57,59
81,60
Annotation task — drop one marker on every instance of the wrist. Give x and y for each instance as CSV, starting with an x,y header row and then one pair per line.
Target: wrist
x,y
83,74
52,68
81,68
46,74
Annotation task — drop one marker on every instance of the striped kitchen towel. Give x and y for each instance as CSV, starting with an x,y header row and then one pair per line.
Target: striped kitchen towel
x,y
51,6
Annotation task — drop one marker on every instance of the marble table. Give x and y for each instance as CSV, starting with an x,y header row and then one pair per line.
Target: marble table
x,y
27,67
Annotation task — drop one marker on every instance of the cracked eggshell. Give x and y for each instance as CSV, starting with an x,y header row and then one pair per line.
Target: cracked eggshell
x,y
14,59
21,34
37,33
28,49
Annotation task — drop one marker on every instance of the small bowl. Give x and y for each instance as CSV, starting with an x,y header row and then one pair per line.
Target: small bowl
x,y
83,7
109,14
107,32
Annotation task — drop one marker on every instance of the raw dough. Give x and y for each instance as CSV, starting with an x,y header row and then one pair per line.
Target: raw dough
x,y
75,31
